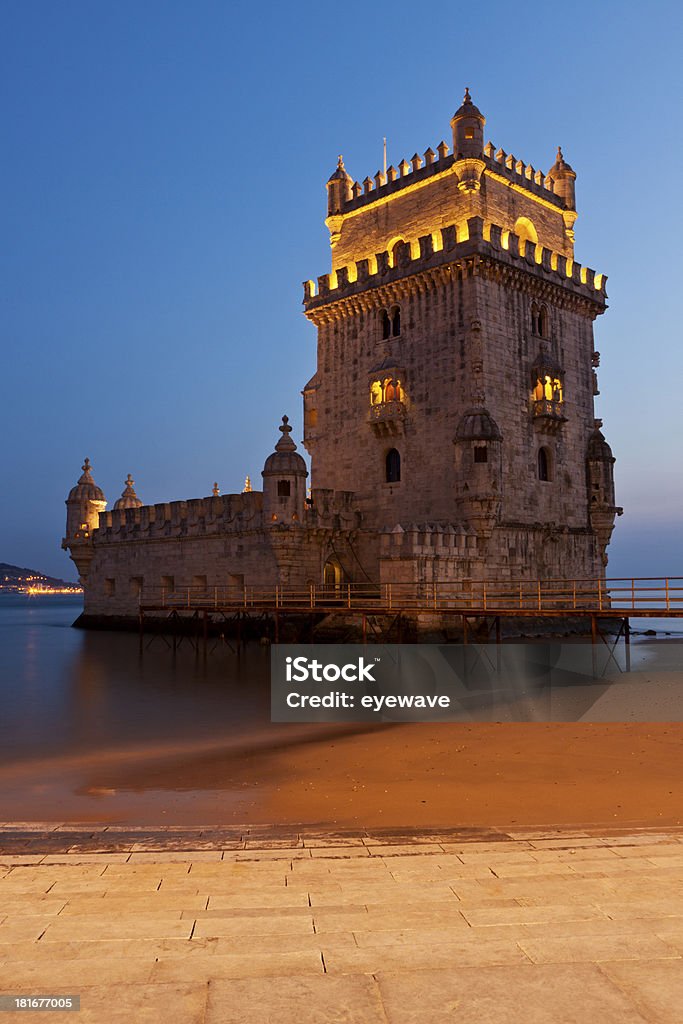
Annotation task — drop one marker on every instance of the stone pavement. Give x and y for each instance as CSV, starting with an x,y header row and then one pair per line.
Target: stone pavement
x,y
260,926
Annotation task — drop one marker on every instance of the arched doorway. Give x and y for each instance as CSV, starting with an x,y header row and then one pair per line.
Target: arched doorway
x,y
332,577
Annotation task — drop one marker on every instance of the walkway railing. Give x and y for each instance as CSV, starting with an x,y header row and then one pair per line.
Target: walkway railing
x,y
623,596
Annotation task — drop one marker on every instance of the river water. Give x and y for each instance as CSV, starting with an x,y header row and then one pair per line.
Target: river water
x,y
95,728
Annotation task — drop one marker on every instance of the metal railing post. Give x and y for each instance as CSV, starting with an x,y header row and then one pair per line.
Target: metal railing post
x,y
666,591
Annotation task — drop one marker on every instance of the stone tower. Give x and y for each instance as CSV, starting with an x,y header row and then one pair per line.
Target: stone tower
x,y
455,386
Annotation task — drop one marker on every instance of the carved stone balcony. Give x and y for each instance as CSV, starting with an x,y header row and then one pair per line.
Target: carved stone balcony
x,y
548,415
386,418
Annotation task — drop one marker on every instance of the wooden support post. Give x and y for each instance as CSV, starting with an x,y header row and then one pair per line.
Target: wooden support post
x,y
365,628
464,629
627,643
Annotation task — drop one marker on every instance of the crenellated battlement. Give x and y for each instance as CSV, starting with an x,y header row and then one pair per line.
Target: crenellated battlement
x,y
433,164
225,513
446,246
220,514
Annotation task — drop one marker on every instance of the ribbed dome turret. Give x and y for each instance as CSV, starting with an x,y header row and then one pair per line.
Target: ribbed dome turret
x,y
129,498
478,425
468,109
564,179
339,189
285,460
561,166
86,489
340,172
598,447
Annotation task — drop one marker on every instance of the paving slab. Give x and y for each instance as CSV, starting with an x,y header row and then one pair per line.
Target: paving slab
x,y
654,986
324,999
524,994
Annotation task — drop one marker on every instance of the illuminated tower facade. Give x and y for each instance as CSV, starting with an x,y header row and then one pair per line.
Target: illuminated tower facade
x,y
455,381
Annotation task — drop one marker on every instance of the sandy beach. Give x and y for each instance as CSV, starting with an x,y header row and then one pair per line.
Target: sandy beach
x,y
477,774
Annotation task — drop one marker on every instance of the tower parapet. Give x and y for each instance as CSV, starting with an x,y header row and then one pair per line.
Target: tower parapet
x,y
472,238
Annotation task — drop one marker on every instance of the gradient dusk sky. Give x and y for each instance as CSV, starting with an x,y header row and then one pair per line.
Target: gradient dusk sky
x,y
163,184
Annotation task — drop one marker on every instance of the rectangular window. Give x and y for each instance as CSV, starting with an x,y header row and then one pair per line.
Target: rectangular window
x,y
168,583
283,488
199,582
481,453
110,587
136,583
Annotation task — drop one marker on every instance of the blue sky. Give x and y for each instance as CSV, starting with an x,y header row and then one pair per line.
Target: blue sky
x,y
163,184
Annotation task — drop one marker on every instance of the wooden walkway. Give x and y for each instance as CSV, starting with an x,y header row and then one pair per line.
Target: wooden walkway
x,y
382,609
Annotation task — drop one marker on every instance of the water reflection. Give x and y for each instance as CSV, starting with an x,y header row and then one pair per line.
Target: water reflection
x,y
68,691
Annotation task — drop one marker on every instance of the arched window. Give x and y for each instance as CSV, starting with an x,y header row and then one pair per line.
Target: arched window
x,y
543,322
543,464
393,466
385,320
283,488
534,318
395,322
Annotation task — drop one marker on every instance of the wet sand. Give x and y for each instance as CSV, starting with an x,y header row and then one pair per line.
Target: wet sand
x,y
446,775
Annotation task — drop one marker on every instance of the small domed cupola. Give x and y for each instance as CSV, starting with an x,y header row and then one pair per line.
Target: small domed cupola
x,y
598,448
86,489
467,125
478,425
284,481
129,498
563,177
339,188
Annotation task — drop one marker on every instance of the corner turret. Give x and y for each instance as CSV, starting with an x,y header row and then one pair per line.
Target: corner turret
x,y
83,507
467,125
339,189
284,482
600,479
561,178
